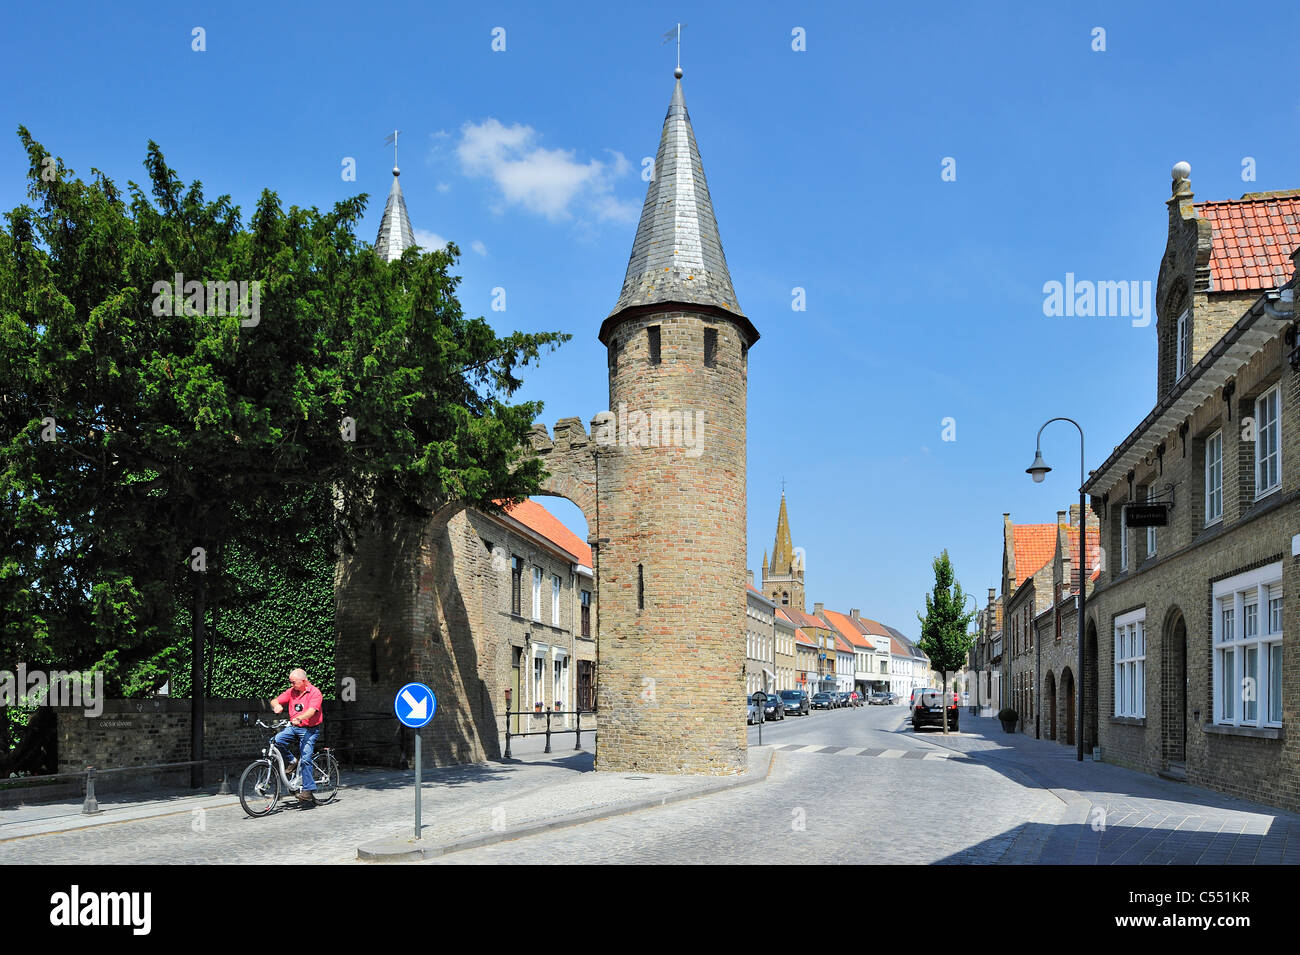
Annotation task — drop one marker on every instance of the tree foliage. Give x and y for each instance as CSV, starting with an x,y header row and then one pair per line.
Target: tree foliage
x,y
195,429
944,636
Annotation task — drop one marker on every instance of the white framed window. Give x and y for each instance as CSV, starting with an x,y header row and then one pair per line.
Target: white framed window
x,y
1268,443
1184,355
537,594
555,600
1130,664
559,670
1214,477
1151,541
1123,538
1246,629
539,669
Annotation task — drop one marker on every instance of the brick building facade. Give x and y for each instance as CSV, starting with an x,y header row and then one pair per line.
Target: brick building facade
x,y
1196,677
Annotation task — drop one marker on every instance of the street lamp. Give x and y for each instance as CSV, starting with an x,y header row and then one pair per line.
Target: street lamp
x,y
1038,470
975,608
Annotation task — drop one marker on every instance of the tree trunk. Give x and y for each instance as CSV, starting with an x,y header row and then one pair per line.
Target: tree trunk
x,y
196,681
944,702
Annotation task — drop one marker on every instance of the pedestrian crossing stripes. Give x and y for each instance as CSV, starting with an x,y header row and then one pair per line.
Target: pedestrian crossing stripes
x,y
866,751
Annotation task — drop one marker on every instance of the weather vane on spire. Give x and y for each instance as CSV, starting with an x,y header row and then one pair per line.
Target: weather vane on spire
x,y
392,140
668,36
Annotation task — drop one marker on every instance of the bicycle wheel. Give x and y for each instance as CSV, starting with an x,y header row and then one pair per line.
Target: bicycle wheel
x,y
259,788
325,769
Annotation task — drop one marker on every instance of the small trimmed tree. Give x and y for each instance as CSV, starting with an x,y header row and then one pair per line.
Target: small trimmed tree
x,y
944,636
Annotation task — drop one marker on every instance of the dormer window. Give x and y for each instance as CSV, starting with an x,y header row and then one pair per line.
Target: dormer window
x,y
1184,353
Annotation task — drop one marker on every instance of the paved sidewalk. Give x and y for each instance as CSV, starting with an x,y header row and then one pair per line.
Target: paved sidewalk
x,y
462,806
1109,814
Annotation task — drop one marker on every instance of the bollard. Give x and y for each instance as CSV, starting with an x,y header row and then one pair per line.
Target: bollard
x,y
90,807
507,724
548,731
577,741
225,782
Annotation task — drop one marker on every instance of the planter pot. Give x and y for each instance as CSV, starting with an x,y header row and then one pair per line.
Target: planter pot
x,y
1008,726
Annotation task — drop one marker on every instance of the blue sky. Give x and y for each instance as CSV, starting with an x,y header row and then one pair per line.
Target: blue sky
x,y
924,296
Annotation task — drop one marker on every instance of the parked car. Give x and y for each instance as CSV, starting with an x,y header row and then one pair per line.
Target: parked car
x,y
846,698
796,702
823,701
911,701
929,706
754,712
773,707
880,699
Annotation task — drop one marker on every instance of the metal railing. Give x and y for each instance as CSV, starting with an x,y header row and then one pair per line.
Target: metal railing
x,y
549,731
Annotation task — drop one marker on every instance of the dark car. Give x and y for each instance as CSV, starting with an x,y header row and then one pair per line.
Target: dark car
x,y
772,709
844,698
823,701
928,707
796,702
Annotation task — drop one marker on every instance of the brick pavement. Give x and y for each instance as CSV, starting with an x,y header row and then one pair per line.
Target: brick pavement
x,y
1112,815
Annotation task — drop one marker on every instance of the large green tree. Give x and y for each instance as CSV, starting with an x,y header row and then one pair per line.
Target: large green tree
x,y
944,637
137,428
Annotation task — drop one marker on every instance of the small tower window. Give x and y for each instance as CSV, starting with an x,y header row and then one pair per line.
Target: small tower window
x,y
710,347
640,587
653,332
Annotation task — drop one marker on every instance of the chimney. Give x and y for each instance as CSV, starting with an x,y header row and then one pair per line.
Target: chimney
x,y
749,576
1060,517
1074,515
817,609
854,613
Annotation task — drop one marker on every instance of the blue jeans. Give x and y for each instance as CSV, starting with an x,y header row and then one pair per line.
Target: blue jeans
x,y
306,746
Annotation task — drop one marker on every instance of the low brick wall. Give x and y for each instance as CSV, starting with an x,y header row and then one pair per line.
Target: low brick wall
x,y
147,732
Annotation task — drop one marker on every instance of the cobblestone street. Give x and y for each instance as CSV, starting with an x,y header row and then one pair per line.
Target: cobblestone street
x,y
842,786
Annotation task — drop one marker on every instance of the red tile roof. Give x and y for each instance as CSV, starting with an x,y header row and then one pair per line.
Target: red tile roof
x,y
1254,237
841,644
801,637
875,628
1035,545
801,619
538,519
847,628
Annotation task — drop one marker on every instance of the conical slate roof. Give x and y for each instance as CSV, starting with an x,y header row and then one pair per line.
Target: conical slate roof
x,y
677,255
395,235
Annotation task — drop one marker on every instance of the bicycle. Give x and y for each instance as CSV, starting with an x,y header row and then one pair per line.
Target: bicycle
x,y
264,779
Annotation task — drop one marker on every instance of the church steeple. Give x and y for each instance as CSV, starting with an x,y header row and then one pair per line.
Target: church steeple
x,y
783,577
677,254
783,550
395,233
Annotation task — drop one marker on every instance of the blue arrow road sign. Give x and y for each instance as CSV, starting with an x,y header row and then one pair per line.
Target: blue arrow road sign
x,y
415,705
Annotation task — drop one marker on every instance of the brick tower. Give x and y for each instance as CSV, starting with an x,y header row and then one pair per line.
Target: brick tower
x,y
671,518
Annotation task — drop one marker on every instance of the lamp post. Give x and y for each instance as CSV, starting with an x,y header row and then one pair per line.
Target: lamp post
x,y
975,608
1038,470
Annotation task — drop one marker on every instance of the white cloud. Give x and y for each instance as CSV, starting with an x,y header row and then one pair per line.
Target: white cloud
x,y
444,187
478,247
429,241
548,182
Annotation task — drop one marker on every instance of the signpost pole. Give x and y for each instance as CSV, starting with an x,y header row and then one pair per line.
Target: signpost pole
x,y
414,707
419,780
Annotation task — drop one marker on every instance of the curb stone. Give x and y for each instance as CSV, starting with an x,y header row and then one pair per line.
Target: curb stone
x,y
398,850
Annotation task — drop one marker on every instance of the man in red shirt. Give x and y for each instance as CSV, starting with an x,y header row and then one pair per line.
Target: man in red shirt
x,y
305,719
